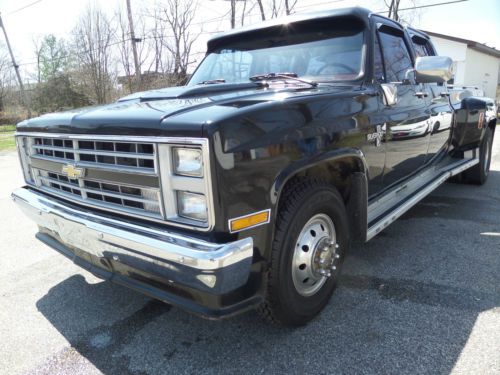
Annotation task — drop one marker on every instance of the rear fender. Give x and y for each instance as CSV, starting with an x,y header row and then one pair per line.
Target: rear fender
x,y
469,124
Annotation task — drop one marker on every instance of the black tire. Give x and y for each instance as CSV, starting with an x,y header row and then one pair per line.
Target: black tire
x,y
478,174
301,202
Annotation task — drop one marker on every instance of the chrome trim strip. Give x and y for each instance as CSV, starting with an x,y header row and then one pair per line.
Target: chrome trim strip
x,y
103,206
400,210
116,138
102,192
56,166
132,155
253,226
81,229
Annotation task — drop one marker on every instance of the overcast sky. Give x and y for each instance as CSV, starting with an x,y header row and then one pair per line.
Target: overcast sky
x,y
473,19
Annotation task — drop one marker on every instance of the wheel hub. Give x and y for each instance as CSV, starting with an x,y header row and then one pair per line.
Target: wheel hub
x,y
324,257
315,255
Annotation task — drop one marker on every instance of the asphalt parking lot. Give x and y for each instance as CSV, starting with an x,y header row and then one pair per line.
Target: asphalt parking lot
x,y
422,297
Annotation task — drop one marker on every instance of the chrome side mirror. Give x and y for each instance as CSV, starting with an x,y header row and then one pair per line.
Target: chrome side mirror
x,y
390,94
430,69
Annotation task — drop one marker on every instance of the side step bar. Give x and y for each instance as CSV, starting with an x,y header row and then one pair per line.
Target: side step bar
x,y
395,212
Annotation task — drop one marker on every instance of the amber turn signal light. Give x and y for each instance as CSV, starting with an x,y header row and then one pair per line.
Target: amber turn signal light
x,y
249,221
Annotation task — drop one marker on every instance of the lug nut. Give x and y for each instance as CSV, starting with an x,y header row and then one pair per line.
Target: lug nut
x,y
336,245
337,256
334,268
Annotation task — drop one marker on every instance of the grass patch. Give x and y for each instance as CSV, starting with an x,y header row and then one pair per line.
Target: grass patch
x,y
7,128
7,141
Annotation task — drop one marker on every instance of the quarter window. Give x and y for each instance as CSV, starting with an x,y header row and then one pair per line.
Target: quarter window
x,y
421,47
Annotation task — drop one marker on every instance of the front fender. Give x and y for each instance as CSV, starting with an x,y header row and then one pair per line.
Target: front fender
x,y
302,165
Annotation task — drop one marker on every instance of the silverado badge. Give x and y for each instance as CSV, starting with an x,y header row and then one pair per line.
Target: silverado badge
x,y
377,136
73,171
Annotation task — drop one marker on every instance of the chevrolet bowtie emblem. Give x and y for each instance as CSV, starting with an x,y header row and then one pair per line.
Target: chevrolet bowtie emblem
x,y
73,171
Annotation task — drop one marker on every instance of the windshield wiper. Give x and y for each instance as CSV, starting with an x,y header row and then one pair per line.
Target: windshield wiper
x,y
212,81
283,76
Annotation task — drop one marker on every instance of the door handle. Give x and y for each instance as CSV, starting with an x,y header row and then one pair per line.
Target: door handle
x,y
420,94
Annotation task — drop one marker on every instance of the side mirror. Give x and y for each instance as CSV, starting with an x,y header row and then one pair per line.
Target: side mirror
x,y
430,69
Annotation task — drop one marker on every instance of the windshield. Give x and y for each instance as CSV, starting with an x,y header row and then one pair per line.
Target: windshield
x,y
334,54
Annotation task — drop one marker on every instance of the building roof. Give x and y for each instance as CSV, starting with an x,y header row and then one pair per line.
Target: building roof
x,y
480,47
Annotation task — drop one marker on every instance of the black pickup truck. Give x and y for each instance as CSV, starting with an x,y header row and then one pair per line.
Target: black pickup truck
x,y
244,188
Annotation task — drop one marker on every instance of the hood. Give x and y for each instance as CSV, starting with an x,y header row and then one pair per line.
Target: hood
x,y
155,112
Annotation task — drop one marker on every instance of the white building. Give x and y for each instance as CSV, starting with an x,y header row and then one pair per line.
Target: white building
x,y
475,64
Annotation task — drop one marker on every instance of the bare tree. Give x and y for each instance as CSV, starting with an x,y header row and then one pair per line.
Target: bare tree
x,y
92,38
38,47
5,77
125,48
289,6
261,9
178,16
410,12
162,62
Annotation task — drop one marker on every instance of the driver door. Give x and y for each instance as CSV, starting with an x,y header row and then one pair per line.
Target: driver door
x,y
407,121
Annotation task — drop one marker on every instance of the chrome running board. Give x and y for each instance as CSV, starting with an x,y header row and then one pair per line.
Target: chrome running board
x,y
409,194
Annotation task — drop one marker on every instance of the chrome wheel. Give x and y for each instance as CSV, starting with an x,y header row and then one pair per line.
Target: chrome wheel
x,y
315,255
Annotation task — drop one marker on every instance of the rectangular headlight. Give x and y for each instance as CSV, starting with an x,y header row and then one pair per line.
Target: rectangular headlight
x,y
188,162
192,206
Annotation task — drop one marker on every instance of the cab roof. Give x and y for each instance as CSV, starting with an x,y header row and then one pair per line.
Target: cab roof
x,y
362,14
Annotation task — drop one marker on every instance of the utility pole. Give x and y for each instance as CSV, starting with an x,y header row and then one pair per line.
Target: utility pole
x,y
233,14
134,46
16,68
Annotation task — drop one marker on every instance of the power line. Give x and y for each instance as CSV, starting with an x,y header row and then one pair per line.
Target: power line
x,y
24,7
218,19
78,53
320,3
432,5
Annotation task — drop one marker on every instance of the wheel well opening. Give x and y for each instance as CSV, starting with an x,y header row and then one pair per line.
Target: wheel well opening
x,y
492,125
338,173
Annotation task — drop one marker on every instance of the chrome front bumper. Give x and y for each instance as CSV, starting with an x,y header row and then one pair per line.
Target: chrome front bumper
x,y
116,244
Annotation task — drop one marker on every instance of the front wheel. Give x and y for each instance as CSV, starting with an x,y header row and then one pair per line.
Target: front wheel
x,y
310,243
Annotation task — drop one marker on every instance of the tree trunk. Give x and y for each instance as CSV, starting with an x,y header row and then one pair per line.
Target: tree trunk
x,y
261,7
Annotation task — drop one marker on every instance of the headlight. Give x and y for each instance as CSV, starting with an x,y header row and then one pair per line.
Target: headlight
x,y
192,206
188,162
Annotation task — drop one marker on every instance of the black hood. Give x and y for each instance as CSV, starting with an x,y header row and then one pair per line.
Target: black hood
x,y
154,112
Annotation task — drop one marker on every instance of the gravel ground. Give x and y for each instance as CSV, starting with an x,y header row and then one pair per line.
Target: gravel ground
x,y
422,297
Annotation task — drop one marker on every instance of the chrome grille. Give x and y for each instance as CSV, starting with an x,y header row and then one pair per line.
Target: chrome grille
x,y
115,187
132,155
131,175
128,197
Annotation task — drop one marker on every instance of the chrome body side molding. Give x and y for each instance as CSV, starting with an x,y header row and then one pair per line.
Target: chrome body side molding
x,y
393,205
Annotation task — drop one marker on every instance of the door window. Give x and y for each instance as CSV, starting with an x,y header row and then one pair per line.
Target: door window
x,y
378,64
396,56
